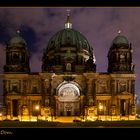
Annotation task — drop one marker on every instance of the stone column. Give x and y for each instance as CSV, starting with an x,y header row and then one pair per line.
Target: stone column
x,y
90,92
90,87
81,105
11,109
90,80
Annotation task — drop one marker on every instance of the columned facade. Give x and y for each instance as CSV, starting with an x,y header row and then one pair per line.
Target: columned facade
x,y
68,84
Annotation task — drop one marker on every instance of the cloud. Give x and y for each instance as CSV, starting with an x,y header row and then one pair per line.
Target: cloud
x,y
35,62
99,25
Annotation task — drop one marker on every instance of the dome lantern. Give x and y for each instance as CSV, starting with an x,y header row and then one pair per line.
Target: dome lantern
x,y
68,24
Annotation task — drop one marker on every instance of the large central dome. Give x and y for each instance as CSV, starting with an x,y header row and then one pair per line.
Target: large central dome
x,y
70,37
68,50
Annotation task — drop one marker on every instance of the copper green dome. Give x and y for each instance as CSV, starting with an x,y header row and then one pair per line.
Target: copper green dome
x,y
120,40
67,51
71,37
17,39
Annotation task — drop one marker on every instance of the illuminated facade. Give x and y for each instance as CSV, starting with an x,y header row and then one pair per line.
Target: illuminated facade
x,y
68,84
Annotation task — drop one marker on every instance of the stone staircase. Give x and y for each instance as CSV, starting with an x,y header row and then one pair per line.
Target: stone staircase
x,y
67,119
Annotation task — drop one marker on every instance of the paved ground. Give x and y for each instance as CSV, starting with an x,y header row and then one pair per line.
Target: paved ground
x,y
68,124
66,119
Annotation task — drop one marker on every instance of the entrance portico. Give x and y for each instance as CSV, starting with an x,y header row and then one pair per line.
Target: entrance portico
x,y
68,100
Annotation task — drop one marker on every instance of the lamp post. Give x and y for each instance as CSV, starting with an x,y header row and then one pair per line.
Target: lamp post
x,y
52,114
120,116
21,112
37,110
86,112
1,116
100,109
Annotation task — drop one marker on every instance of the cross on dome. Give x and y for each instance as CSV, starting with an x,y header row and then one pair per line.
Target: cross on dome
x,y
68,24
68,12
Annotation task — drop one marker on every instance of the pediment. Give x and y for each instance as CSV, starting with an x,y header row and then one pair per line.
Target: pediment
x,y
13,92
125,93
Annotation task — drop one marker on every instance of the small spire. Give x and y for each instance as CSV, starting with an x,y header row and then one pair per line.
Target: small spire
x,y
68,16
18,32
68,23
68,12
119,31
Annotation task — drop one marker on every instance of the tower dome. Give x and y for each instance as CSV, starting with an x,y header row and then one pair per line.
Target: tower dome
x,y
120,40
17,39
17,56
120,56
67,50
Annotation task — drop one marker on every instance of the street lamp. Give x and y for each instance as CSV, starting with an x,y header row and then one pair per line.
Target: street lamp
x,y
100,109
0,116
37,110
120,116
86,112
21,112
52,114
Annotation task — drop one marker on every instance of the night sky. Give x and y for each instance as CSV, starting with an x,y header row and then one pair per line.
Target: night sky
x,y
99,25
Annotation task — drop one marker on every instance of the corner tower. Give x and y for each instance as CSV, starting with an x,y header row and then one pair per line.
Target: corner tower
x,y
17,56
120,56
121,70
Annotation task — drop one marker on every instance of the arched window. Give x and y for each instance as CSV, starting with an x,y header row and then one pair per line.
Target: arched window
x,y
14,88
34,90
122,58
23,58
16,58
68,67
122,86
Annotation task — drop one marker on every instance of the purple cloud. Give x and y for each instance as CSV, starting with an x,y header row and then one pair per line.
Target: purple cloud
x,y
99,25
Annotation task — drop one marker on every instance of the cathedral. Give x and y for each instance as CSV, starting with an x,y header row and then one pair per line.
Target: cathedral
x,y
68,84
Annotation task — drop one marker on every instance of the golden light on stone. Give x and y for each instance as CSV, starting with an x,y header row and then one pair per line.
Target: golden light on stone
x,y
37,107
0,114
68,84
100,106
